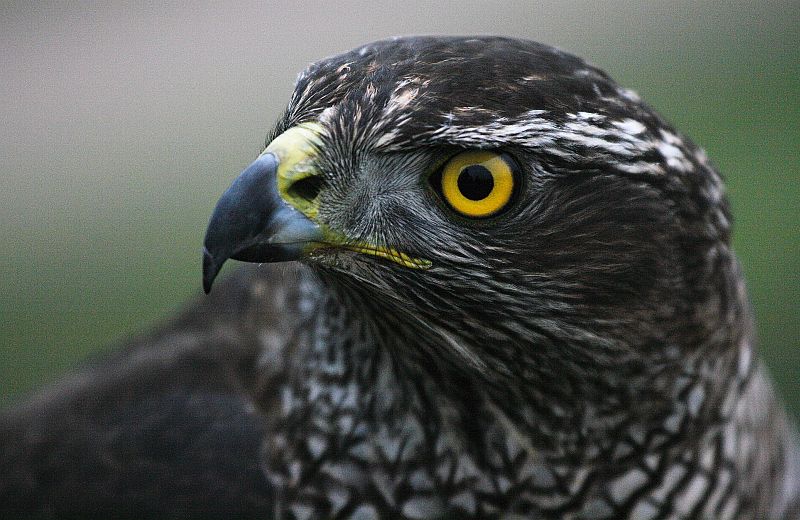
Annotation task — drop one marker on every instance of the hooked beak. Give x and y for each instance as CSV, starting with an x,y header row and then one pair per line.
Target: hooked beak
x,y
252,223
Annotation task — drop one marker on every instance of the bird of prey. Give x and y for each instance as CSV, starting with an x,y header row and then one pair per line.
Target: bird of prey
x,y
511,295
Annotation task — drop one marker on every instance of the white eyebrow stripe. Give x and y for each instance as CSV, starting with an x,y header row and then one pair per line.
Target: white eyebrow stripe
x,y
626,139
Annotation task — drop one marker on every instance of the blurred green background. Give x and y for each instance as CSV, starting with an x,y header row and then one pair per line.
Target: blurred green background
x,y
120,127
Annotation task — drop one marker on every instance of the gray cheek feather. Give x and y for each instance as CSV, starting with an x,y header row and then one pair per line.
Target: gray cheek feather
x,y
380,190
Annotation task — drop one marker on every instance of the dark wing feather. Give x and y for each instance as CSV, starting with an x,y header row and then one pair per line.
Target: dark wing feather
x,y
168,423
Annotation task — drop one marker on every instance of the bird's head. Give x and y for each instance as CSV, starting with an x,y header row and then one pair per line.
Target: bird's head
x,y
509,198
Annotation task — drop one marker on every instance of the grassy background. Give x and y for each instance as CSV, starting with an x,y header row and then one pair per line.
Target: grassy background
x,y
120,127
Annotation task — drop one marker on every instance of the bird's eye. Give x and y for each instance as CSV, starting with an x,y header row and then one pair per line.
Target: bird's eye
x,y
478,183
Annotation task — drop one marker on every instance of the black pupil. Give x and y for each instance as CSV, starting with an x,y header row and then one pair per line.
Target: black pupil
x,y
475,182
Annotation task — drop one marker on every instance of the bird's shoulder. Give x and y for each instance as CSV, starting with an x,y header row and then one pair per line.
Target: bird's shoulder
x,y
167,415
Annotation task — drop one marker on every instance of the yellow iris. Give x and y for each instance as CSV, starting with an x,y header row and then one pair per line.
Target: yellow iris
x,y
477,183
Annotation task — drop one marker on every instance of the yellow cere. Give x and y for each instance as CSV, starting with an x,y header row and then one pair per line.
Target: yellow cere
x,y
296,150
495,199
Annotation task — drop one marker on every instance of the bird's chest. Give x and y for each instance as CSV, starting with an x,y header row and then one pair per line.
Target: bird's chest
x,y
352,440
340,451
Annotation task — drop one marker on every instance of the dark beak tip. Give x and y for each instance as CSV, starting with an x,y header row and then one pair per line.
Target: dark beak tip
x,y
253,223
210,270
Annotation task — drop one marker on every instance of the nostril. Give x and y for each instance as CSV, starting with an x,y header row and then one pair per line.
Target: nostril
x,y
306,188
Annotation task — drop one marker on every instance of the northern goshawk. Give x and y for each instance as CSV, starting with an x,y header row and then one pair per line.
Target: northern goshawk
x,y
515,298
